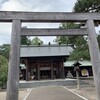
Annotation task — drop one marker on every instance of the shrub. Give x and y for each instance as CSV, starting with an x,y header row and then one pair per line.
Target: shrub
x,y
3,71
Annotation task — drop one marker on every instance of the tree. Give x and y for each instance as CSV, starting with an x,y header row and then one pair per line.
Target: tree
x,y
25,40
5,50
3,71
87,6
78,43
67,39
36,41
80,52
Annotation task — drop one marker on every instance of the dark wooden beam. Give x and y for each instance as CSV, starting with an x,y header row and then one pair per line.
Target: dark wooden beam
x,y
27,67
53,32
62,69
38,69
52,70
8,16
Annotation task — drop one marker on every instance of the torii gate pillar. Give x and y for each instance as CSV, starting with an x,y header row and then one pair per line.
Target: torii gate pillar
x,y
13,72
95,55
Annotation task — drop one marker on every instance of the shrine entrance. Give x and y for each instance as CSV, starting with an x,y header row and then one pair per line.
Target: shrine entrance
x,y
43,68
16,18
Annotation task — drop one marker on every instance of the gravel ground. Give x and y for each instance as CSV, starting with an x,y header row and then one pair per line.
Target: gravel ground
x,y
22,94
87,91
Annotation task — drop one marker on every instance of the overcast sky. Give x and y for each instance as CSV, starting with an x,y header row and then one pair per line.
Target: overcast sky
x,y
35,6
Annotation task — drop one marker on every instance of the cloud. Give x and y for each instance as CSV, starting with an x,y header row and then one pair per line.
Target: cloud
x,y
2,1
4,39
5,33
37,5
97,29
50,5
13,5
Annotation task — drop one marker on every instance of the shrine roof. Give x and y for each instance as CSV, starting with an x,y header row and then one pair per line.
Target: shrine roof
x,y
83,63
45,50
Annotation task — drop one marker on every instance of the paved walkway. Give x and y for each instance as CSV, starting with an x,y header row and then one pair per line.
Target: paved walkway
x,y
52,93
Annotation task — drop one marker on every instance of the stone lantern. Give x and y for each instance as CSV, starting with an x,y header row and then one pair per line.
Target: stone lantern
x,y
77,69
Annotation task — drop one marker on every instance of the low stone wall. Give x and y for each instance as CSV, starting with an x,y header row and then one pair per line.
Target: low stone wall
x,y
63,82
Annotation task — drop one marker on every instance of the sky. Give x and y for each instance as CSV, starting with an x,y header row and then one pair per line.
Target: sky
x,y
33,6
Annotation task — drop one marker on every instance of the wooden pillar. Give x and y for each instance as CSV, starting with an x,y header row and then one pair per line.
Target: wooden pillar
x,y
57,71
14,61
52,70
38,69
26,61
62,70
95,55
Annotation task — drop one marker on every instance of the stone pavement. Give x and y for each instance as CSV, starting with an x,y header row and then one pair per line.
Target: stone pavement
x,y
88,91
52,93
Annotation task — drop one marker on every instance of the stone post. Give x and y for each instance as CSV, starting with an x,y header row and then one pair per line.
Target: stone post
x,y
95,55
14,61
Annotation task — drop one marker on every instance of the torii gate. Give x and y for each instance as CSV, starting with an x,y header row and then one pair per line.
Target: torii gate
x,y
19,17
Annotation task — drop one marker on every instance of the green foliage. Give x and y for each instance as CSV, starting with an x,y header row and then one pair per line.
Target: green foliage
x,y
69,26
61,40
25,40
3,71
87,6
80,52
4,50
78,43
67,39
36,41
81,49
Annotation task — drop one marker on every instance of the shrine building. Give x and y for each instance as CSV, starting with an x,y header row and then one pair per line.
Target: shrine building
x,y
43,62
